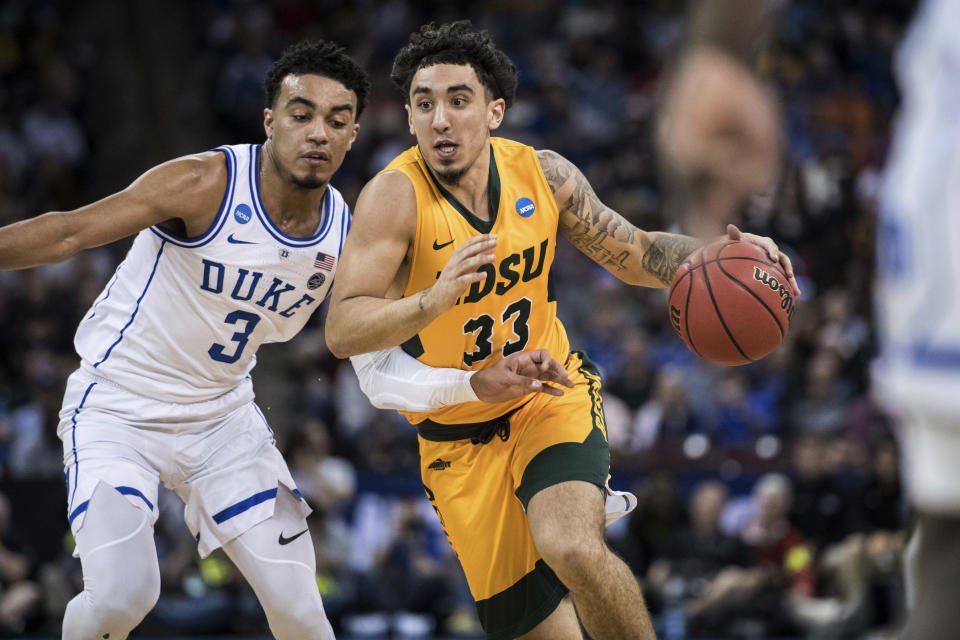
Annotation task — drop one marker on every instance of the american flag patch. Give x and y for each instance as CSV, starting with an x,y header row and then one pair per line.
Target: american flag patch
x,y
324,261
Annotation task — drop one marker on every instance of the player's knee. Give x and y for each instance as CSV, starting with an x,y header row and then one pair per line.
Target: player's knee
x,y
110,606
301,618
573,559
120,570
125,599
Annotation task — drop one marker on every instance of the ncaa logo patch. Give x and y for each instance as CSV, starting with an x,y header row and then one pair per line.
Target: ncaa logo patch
x,y
242,214
316,280
525,207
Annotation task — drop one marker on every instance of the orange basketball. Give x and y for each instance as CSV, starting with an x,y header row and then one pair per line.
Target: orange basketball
x,y
730,303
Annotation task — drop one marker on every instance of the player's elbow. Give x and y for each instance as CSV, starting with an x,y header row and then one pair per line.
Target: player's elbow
x,y
335,344
338,338
65,248
340,350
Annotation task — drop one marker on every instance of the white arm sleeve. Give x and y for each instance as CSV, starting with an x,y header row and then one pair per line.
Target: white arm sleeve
x,y
391,379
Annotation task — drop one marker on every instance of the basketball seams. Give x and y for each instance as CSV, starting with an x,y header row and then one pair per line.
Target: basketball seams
x,y
686,318
703,262
747,258
716,308
754,294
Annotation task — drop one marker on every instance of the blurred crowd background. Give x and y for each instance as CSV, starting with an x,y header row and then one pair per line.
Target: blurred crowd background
x,y
770,498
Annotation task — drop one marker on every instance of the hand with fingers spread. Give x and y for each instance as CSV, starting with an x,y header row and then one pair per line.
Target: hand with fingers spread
x,y
519,374
770,247
459,273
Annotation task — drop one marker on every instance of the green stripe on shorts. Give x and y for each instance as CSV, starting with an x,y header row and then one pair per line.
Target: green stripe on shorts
x,y
588,460
523,605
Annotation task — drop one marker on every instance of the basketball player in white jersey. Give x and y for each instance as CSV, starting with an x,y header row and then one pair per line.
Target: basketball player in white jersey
x,y
236,247
917,373
717,111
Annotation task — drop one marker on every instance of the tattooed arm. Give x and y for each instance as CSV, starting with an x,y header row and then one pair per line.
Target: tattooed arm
x,y
648,258
633,255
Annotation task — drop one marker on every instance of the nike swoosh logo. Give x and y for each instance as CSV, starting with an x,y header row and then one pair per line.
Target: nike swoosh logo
x,y
233,240
437,247
283,540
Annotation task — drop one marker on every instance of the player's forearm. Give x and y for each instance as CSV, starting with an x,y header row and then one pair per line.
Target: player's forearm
x,y
662,255
741,28
42,240
362,324
393,380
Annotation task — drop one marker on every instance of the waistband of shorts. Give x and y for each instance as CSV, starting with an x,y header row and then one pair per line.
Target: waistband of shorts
x,y
439,432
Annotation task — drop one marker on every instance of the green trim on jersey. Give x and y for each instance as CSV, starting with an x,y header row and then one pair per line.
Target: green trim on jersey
x,y
493,198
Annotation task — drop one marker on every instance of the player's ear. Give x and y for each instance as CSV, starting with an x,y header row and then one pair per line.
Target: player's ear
x,y
268,122
410,118
353,138
495,112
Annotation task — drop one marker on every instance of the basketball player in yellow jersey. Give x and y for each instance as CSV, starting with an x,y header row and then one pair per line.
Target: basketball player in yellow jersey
x,y
450,256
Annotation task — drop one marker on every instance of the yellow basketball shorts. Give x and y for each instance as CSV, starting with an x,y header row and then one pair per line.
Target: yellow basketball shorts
x,y
480,493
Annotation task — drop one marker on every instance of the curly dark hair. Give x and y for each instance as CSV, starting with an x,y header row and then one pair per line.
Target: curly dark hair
x,y
322,58
456,43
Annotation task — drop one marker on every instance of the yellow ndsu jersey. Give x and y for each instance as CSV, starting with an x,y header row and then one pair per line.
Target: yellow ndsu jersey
x,y
513,309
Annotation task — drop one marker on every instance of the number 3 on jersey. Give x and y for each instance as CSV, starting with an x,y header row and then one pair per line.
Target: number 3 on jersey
x,y
216,351
519,311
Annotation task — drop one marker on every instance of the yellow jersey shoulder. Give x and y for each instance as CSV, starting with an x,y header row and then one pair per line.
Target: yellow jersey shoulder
x,y
403,161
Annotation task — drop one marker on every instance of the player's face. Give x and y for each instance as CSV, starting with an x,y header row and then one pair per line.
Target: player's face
x,y
310,128
451,117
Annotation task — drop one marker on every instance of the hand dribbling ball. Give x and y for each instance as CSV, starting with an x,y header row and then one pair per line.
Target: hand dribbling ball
x,y
730,303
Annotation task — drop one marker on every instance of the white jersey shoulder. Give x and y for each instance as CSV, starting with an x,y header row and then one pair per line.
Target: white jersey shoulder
x,y
182,318
918,265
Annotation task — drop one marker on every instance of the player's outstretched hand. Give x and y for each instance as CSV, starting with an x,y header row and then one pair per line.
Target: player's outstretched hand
x,y
718,135
460,272
768,245
519,374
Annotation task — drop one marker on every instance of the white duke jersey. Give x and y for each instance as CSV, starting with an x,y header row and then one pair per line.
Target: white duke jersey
x,y
918,261
182,318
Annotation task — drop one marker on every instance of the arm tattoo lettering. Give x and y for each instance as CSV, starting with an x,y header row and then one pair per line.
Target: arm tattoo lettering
x,y
665,255
598,231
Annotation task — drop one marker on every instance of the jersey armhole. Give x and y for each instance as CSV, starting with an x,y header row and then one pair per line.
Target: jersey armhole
x,y
221,216
546,187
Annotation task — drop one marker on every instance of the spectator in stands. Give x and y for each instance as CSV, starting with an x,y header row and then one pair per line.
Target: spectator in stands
x,y
668,417
20,594
659,514
326,481
697,555
823,510
821,408
731,419
881,498
633,380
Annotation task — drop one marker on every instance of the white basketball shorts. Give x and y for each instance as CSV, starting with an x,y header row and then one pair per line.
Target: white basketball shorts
x,y
930,440
219,456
